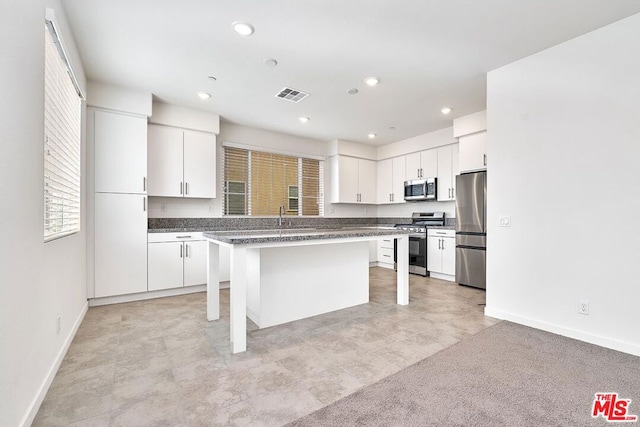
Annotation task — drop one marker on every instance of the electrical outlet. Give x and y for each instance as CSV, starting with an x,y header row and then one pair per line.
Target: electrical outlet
x,y
505,220
58,325
583,307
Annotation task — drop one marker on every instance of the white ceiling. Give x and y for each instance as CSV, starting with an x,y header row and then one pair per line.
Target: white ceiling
x,y
427,53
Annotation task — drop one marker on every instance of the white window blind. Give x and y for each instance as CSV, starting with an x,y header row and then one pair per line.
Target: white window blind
x,y
62,126
259,183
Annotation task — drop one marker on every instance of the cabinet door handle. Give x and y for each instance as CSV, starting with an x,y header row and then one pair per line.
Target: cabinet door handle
x,y
453,193
180,251
186,188
186,250
181,188
144,204
485,159
443,244
183,237
144,183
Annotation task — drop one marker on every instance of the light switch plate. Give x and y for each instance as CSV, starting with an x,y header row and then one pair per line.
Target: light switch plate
x,y
505,220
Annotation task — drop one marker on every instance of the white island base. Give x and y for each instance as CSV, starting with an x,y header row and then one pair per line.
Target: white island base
x,y
281,277
291,283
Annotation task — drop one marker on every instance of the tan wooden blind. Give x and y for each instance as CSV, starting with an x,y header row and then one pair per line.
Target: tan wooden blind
x,y
236,181
62,125
260,183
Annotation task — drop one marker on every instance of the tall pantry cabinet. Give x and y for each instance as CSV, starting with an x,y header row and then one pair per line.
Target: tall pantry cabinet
x,y
120,201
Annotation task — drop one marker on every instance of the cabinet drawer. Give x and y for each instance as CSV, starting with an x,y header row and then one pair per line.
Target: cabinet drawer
x,y
385,243
385,255
439,232
175,237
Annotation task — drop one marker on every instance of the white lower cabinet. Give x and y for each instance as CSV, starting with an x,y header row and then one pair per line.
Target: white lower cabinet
x,y
176,260
385,253
120,244
165,265
195,263
441,252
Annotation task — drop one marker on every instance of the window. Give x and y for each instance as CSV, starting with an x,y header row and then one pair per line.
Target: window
x,y
62,125
259,183
292,206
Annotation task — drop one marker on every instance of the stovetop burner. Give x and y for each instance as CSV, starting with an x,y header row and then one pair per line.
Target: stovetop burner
x,y
422,220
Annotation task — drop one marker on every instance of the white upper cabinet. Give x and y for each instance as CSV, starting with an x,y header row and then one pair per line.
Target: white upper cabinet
x,y
182,163
423,164
120,144
391,176
199,164
367,181
473,152
165,166
353,180
471,132
385,181
447,171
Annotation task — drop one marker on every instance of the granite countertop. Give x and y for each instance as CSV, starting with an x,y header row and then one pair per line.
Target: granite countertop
x,y
202,229
301,234
443,227
176,230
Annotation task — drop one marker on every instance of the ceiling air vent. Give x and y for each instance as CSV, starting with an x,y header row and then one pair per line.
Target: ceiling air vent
x,y
292,95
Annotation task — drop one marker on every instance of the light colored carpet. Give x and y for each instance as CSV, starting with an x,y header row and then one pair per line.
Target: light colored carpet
x,y
506,375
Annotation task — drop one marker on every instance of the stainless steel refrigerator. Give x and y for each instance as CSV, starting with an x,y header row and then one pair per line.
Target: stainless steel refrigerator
x,y
471,229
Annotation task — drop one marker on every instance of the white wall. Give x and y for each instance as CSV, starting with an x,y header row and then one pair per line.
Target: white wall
x,y
564,144
417,143
38,281
229,132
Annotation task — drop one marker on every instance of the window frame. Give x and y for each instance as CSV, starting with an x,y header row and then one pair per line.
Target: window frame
x,y
62,139
249,189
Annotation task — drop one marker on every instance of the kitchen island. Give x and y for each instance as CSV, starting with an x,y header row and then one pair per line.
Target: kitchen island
x,y
282,275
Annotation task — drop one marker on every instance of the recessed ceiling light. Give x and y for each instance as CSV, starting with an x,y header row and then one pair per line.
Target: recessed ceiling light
x,y
352,91
204,95
304,119
446,110
270,62
243,28
371,135
372,81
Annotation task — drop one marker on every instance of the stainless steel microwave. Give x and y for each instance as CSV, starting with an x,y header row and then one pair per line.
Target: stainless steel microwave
x,y
420,189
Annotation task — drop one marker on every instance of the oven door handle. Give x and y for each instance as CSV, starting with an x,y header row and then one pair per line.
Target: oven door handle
x,y
418,235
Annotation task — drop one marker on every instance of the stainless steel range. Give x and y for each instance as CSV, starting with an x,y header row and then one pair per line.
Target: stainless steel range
x,y
420,221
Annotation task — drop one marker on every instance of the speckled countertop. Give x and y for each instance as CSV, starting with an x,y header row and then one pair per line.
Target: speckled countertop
x,y
181,225
294,235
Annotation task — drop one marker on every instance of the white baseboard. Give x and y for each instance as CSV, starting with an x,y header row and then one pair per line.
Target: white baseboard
x,y
95,302
442,276
623,346
32,411
382,264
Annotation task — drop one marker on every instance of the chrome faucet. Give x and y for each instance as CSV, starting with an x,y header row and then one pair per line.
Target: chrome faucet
x,y
280,213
